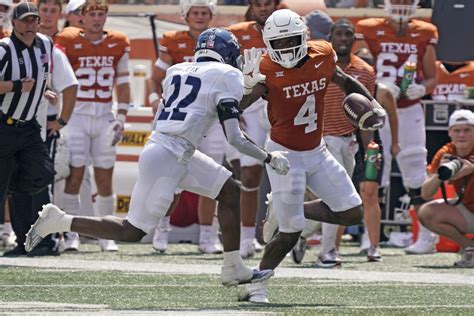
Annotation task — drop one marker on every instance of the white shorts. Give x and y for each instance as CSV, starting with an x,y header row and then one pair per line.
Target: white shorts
x,y
412,157
160,174
344,150
316,169
87,140
213,144
257,127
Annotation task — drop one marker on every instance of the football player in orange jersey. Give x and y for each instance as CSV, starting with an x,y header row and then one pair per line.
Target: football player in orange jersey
x,y
296,74
452,80
404,54
177,47
255,124
100,60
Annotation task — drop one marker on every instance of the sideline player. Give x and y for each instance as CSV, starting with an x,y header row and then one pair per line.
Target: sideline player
x,y
195,95
399,42
296,74
256,125
100,60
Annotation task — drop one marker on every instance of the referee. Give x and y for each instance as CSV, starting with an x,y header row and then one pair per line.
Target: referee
x,y
28,62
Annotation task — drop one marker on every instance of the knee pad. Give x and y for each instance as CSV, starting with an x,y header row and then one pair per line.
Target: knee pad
x,y
412,163
415,196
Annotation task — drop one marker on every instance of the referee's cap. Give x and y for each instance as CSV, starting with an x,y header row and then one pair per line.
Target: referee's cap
x,y
24,9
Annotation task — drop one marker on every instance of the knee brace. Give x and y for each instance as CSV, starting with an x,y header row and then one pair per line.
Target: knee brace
x,y
415,196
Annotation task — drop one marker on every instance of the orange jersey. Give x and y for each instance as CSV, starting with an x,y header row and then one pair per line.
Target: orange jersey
x,y
335,122
468,199
248,35
179,45
94,64
452,85
392,51
296,97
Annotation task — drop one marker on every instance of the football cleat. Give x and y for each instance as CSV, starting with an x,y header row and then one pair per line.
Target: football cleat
x,y
256,293
71,241
299,250
425,244
160,237
373,254
329,260
108,245
467,258
46,224
230,276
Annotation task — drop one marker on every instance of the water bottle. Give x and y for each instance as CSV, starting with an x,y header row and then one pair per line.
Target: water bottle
x,y
371,156
408,75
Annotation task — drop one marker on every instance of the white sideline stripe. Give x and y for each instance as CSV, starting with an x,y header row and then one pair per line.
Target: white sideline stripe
x,y
198,269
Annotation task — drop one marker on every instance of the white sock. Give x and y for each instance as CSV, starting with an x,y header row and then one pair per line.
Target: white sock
x,y
205,233
105,205
328,240
7,228
247,232
64,223
425,232
233,258
164,222
310,228
72,203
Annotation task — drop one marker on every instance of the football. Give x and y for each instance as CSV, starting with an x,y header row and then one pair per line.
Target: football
x,y
358,111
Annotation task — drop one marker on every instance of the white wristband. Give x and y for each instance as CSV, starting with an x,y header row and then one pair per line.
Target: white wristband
x,y
123,106
152,97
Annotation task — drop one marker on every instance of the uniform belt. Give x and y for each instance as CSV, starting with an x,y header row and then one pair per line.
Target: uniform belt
x,y
8,120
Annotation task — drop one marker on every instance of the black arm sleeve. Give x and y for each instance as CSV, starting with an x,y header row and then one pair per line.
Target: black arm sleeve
x,y
228,109
349,84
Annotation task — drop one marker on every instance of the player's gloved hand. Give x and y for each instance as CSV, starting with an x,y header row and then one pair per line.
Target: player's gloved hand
x,y
392,87
415,91
380,112
251,69
279,162
115,132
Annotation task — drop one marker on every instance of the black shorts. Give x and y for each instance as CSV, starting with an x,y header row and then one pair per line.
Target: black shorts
x,y
359,169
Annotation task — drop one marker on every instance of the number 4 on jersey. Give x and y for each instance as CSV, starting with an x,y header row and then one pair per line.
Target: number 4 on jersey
x,y
307,115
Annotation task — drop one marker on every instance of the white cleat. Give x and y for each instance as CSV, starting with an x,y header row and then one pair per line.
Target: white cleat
x,y
329,259
364,243
373,254
256,293
108,245
46,224
9,240
71,241
467,258
160,237
424,245
247,249
257,246
210,246
270,225
233,276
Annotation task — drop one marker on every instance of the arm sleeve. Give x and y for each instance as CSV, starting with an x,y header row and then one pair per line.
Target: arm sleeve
x,y
236,138
62,74
122,65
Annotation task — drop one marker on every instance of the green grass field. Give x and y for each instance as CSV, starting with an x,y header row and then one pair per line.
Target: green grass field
x,y
138,281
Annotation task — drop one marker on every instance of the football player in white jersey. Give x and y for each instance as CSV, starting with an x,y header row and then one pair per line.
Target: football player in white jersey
x,y
195,96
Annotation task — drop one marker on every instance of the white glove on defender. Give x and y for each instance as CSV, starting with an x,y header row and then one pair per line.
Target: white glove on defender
x,y
279,162
251,69
415,91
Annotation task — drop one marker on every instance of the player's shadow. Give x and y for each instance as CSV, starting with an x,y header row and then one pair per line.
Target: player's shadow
x,y
437,267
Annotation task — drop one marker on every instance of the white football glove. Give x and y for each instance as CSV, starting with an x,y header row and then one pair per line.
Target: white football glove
x,y
415,91
115,132
251,69
279,162
392,87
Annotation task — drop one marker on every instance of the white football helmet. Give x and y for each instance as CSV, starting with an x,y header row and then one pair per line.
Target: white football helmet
x,y
283,24
186,5
401,12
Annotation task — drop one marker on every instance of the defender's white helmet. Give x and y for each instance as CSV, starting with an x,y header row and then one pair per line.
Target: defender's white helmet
x,y
401,12
283,24
186,5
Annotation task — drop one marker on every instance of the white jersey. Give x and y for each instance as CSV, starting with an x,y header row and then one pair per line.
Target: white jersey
x,y
191,93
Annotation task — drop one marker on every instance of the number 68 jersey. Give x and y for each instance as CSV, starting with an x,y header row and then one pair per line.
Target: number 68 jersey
x,y
96,66
191,93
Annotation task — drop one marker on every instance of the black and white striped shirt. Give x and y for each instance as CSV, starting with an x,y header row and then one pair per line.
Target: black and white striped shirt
x,y
17,61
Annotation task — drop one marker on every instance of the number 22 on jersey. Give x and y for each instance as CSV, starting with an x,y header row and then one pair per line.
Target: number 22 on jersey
x,y
177,101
